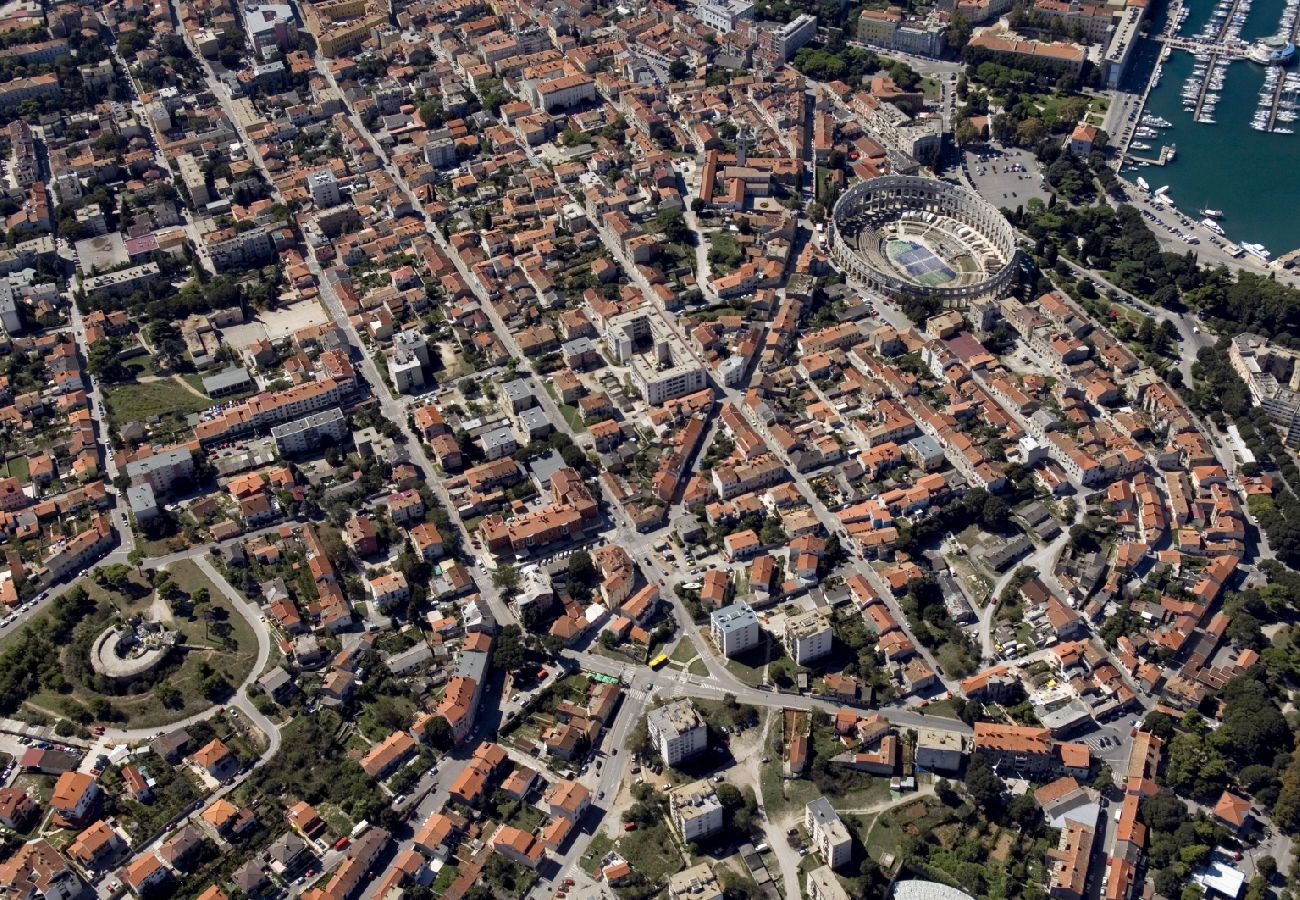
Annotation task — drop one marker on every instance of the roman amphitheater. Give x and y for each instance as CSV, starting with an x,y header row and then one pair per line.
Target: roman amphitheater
x,y
905,235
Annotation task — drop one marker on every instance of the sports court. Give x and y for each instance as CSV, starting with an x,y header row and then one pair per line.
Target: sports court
x,y
920,262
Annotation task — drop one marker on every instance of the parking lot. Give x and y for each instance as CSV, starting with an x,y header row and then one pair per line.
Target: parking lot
x,y
1004,177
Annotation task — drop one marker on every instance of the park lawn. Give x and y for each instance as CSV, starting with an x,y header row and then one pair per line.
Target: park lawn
x,y
698,667
190,578
145,710
17,468
140,402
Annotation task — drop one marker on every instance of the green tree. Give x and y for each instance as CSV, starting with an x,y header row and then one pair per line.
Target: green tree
x,y
509,653
506,578
984,785
959,30
438,733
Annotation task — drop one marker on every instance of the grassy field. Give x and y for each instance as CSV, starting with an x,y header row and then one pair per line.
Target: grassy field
x,y
698,667
748,668
570,413
781,794
16,467
139,366
684,652
651,851
139,402
596,850
942,708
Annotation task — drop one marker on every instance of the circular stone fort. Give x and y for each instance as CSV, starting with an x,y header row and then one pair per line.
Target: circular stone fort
x,y
130,651
904,235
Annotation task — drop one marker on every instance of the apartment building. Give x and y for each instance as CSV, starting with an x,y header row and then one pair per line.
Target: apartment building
x,y
271,29
695,883
1070,859
162,470
122,282
662,367
823,885
939,751
310,432
695,810
677,731
893,29
829,836
1068,58
808,636
274,407
1273,378
1029,752
735,629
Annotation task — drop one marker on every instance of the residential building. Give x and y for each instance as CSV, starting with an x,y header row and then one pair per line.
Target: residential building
x,y
162,470
696,883
677,731
1029,752
894,29
735,629
518,846
695,810
829,836
939,751
37,871
75,797
310,432
823,885
808,636
1273,378
271,30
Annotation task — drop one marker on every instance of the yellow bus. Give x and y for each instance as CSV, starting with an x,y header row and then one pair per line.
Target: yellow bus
x,y
658,661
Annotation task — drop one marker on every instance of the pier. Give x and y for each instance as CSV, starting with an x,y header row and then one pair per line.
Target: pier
x,y
1228,49
1166,156
1281,87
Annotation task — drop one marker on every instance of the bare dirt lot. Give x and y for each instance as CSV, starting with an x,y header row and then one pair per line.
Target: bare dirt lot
x,y
276,324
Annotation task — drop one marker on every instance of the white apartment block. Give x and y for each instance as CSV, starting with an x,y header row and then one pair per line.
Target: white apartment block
x,y
829,836
696,810
677,731
808,637
735,629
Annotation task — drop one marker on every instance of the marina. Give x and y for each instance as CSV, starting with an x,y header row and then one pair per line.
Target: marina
x,y
1229,173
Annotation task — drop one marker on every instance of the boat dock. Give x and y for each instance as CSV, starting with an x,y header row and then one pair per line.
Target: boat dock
x,y
1166,156
1286,82
1226,48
